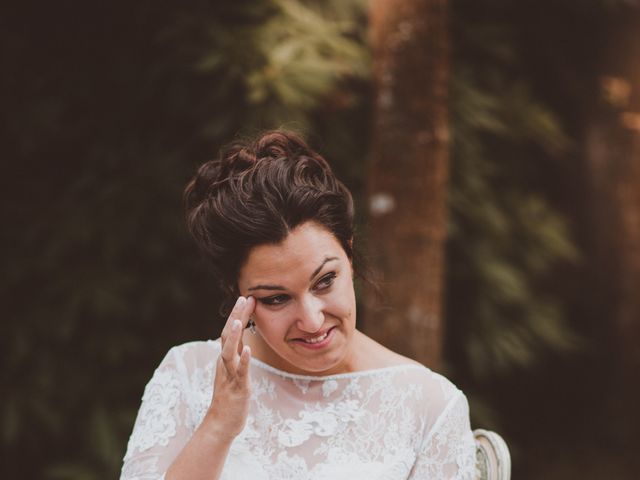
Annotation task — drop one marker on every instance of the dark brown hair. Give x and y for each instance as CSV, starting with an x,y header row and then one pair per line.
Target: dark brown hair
x,y
256,193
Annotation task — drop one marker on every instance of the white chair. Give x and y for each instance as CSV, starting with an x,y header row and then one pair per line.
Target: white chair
x,y
492,456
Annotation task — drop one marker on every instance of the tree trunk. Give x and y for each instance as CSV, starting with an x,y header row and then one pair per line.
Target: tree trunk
x,y
408,175
613,159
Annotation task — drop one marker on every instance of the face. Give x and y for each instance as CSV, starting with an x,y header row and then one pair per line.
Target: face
x,y
305,302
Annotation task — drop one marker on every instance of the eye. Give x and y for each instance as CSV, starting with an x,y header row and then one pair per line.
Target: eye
x,y
274,300
326,281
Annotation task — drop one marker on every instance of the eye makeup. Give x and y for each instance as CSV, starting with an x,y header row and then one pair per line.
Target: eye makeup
x,y
274,300
326,281
322,284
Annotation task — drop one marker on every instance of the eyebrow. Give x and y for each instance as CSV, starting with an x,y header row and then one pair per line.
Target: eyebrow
x,y
279,287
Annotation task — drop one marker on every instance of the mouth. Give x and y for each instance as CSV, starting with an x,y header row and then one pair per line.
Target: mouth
x,y
317,341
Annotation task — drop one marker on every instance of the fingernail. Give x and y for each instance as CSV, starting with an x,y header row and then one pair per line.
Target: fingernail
x,y
236,325
240,301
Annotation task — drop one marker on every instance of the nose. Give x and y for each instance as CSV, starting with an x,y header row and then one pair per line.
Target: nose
x,y
310,314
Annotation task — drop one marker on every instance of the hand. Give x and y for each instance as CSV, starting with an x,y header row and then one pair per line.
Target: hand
x,y
231,389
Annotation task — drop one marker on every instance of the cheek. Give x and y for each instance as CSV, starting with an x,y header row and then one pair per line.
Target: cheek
x,y
269,321
343,303
342,306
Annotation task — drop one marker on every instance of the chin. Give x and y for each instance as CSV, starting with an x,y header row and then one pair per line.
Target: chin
x,y
325,365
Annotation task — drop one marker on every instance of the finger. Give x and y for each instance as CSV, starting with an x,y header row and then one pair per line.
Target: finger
x,y
247,311
229,349
243,365
245,315
235,313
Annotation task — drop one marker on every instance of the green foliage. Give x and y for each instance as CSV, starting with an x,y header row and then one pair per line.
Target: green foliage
x,y
282,57
506,240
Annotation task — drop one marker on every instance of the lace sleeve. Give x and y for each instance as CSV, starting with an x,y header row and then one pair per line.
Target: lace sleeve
x,y
160,430
448,450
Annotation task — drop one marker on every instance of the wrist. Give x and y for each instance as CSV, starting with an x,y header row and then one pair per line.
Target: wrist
x,y
213,426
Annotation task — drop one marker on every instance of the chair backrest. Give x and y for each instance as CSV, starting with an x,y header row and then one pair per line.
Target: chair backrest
x,y
492,456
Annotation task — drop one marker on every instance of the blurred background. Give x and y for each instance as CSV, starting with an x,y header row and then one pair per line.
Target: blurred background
x,y
108,107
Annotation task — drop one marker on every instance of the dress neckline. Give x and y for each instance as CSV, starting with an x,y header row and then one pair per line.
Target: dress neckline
x,y
335,376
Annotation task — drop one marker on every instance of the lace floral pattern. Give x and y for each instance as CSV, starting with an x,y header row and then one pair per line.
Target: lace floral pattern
x,y
324,422
402,422
156,422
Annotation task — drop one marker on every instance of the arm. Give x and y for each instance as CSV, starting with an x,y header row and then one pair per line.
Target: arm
x,y
448,449
204,456
160,430
161,446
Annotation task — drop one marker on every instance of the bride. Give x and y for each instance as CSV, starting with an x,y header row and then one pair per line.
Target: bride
x,y
291,389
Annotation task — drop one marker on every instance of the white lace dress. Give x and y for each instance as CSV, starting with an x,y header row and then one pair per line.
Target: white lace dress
x,y
402,422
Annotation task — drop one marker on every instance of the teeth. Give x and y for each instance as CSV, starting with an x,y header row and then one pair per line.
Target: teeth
x,y
317,339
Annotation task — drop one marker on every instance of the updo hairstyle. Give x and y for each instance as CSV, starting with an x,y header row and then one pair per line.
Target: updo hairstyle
x,y
256,193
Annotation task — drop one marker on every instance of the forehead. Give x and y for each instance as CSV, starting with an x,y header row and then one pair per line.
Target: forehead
x,y
301,252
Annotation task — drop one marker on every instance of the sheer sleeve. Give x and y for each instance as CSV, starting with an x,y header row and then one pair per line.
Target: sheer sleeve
x,y
161,428
448,449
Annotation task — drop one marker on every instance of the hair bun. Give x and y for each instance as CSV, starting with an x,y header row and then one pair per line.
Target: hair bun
x,y
201,185
241,156
280,145
233,160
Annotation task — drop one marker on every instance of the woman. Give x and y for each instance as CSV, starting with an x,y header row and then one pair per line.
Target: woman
x,y
300,394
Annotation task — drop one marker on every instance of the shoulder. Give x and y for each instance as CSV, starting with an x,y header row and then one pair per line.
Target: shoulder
x,y
191,364
373,355
438,391
189,355
439,403
376,356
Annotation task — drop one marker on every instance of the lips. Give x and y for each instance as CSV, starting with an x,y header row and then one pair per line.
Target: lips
x,y
314,339
317,339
